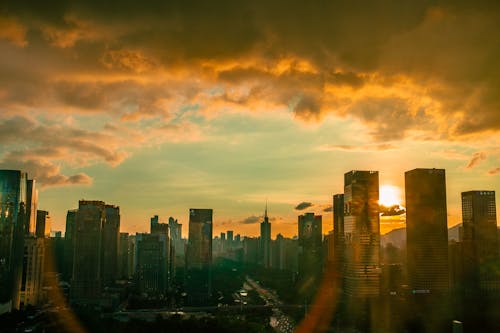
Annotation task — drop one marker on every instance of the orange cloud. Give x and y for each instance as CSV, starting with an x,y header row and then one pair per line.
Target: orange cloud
x,y
13,30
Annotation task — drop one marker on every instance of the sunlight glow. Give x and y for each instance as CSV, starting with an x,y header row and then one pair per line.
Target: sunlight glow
x,y
390,195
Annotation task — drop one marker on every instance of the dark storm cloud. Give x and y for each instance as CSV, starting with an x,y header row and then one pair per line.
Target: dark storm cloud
x,y
303,205
391,210
428,66
328,209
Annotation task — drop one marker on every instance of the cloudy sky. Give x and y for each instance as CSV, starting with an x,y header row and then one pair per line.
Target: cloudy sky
x,y
159,106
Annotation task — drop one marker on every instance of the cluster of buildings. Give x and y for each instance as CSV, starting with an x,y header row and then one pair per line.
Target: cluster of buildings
x,y
24,232
96,255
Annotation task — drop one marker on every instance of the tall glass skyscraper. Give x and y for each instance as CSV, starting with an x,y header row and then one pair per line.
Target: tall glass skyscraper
x,y
426,230
362,233
86,280
12,224
480,240
199,255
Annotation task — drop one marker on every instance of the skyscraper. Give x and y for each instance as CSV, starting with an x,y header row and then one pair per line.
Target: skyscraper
x,y
110,239
230,239
176,235
152,268
123,256
69,244
42,224
33,269
426,230
12,223
200,238
338,232
361,233
31,206
310,251
199,255
265,241
480,222
480,243
87,261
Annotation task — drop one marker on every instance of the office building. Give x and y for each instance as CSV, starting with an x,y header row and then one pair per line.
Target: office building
x,y
230,239
86,281
338,232
33,270
31,207
157,228
479,240
310,252
69,244
480,223
110,240
176,237
152,264
123,256
199,255
13,185
426,230
361,233
43,224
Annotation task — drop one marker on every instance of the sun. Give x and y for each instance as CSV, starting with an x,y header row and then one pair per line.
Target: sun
x,y
389,195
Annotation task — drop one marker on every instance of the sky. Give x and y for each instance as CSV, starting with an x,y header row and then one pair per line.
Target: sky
x,y
161,106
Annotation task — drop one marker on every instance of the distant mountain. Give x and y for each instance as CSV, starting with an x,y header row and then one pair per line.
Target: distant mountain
x,y
398,236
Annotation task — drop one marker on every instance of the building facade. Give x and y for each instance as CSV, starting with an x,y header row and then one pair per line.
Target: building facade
x,y
479,239
86,280
110,240
199,255
426,230
361,234
151,264
13,199
310,257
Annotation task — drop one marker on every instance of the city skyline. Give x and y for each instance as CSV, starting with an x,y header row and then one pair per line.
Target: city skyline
x,y
390,195
160,107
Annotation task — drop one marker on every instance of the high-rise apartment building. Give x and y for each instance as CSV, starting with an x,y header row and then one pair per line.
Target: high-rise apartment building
x,y
13,185
426,230
361,233
265,241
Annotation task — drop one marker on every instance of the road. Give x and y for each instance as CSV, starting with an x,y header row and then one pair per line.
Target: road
x,y
279,321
